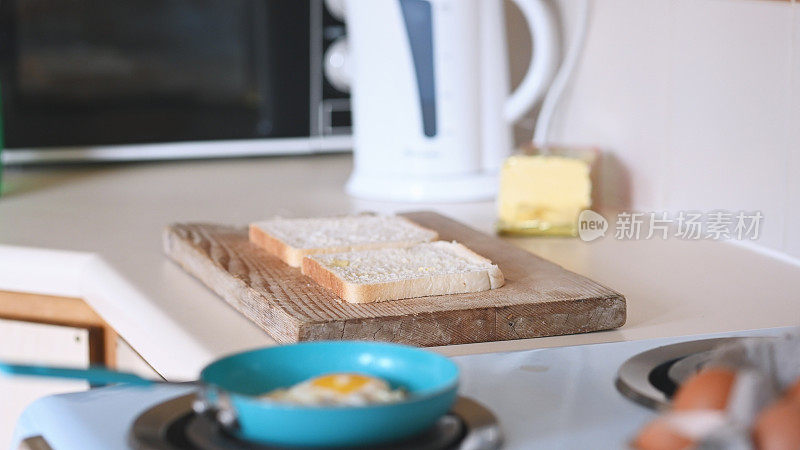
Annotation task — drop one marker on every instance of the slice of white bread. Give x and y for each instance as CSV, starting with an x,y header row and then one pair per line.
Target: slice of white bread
x,y
434,268
292,239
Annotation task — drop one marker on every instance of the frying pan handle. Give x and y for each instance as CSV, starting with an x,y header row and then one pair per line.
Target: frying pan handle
x,y
94,375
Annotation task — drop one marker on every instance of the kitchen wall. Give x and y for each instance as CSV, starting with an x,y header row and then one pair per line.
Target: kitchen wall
x,y
696,104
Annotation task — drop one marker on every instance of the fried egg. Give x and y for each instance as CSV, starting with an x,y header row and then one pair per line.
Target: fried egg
x,y
338,389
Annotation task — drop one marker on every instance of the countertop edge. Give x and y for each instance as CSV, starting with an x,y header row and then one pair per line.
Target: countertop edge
x,y
87,276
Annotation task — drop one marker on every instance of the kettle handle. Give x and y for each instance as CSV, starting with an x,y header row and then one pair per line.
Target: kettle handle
x,y
542,27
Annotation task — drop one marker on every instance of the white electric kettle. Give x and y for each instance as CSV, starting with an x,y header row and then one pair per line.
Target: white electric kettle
x,y
432,113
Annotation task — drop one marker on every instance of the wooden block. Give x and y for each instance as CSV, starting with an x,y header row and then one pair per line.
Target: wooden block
x,y
539,298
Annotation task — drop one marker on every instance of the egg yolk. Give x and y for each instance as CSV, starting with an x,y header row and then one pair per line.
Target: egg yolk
x,y
343,383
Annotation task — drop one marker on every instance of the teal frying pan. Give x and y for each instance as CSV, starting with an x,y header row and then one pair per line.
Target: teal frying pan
x,y
231,385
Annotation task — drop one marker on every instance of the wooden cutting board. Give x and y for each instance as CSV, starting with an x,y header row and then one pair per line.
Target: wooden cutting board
x,y
539,298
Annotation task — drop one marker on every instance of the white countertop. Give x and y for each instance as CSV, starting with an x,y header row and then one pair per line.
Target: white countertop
x,y
95,232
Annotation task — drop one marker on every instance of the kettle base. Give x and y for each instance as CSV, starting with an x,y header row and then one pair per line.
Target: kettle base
x,y
431,189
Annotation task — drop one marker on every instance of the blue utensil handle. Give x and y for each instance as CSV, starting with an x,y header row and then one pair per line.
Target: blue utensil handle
x,y
93,375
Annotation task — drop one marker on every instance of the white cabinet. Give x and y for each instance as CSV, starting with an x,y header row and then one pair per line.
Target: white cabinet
x,y
41,344
28,336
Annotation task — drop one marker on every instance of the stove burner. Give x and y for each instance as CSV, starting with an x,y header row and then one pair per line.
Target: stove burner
x,y
172,425
205,432
652,377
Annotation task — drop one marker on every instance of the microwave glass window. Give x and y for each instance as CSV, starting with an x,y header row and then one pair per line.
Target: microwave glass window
x,y
83,72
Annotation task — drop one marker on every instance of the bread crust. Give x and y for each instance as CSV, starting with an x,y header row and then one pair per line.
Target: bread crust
x,y
275,246
496,278
294,256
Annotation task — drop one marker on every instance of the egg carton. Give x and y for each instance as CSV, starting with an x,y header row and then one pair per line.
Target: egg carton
x,y
764,370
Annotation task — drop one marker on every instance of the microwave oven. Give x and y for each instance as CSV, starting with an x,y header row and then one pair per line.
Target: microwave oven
x,y
151,79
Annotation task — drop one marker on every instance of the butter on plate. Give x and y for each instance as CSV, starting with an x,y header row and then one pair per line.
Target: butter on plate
x,y
544,194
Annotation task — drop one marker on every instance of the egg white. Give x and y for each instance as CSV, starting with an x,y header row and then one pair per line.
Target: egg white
x,y
311,393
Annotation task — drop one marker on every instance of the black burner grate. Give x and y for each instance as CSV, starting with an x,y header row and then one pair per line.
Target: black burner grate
x,y
172,425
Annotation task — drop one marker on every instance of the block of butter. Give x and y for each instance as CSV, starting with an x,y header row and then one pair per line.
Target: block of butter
x,y
543,194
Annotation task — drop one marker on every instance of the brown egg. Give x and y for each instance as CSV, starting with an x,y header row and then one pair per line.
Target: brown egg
x,y
660,434
793,393
708,389
778,427
679,429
